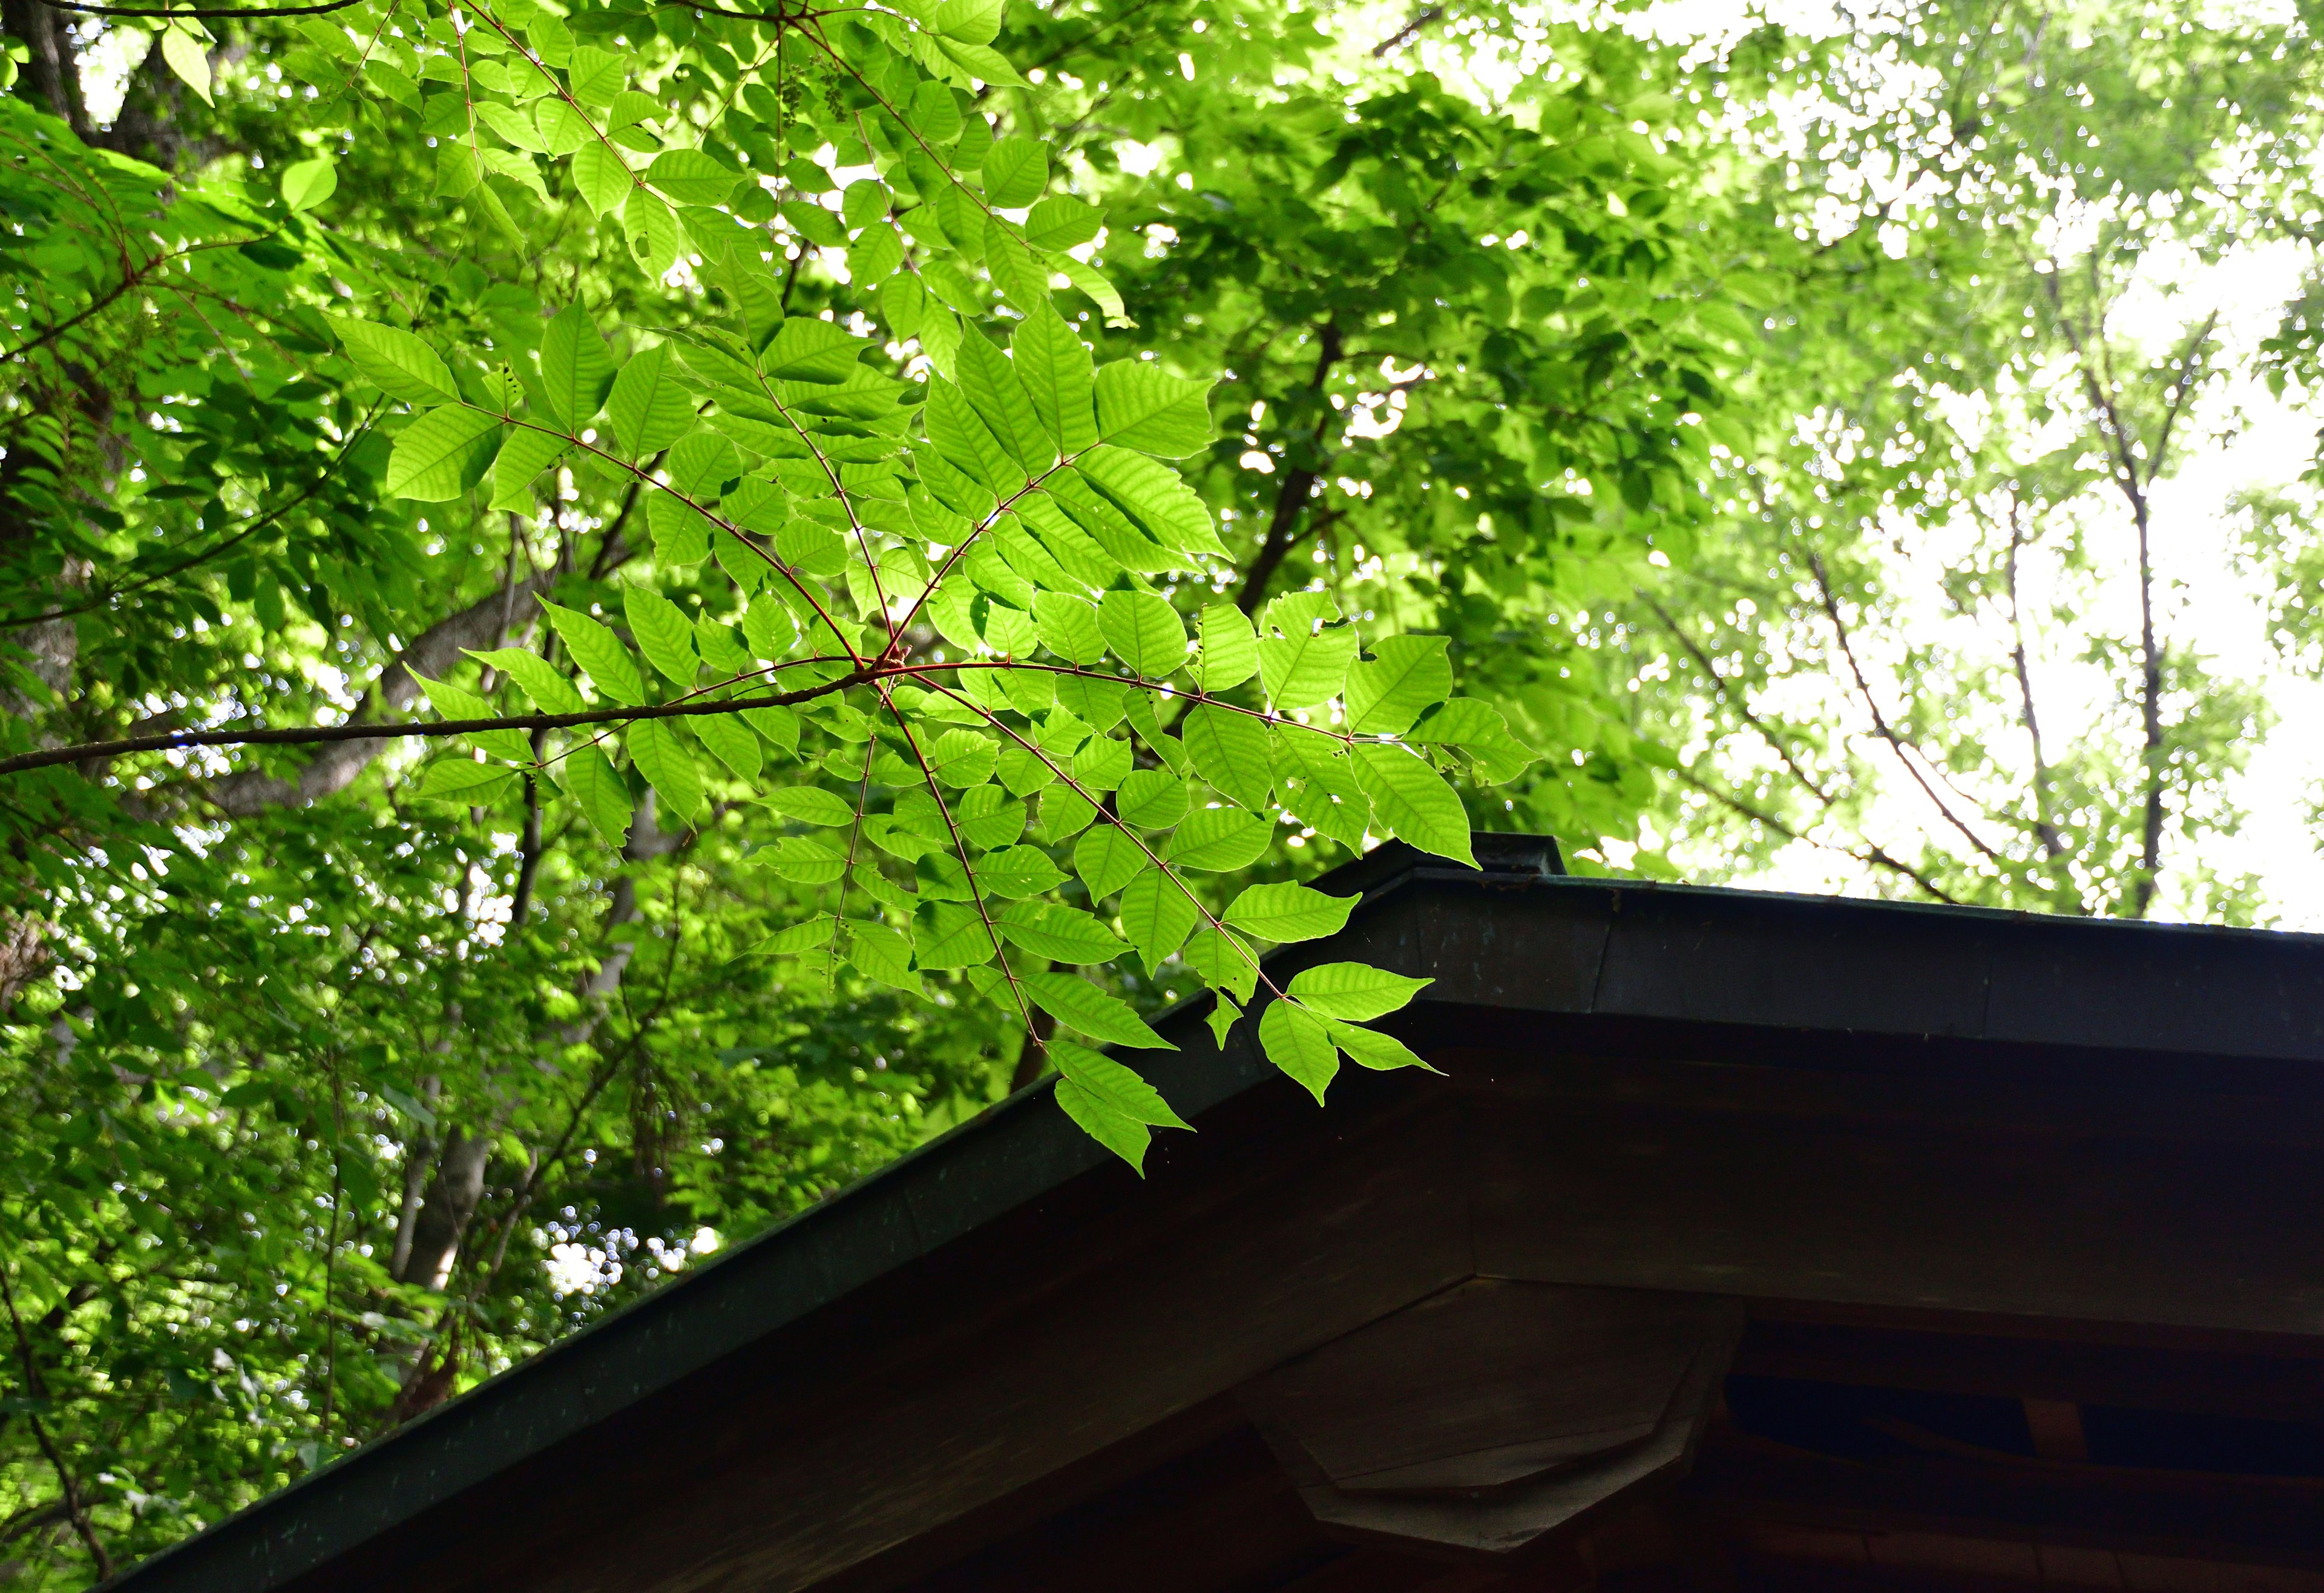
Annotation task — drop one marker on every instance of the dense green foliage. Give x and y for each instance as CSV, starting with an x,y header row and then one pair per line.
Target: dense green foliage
x,y
937,517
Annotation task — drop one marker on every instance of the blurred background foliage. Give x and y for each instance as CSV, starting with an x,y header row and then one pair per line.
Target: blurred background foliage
x,y
1862,449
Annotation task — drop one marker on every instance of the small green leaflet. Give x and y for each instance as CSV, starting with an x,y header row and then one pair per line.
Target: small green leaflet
x,y
1053,364
804,860
522,458
811,804
1477,729
396,363
1412,801
1140,406
600,652
443,454
1353,989
1302,671
1107,859
1290,911
307,183
1068,627
1230,654
1220,840
663,634
1223,959
1151,798
649,406
692,177
669,767
882,953
1230,750
450,701
816,932
733,744
1157,913
1118,1086
1222,1017
577,371
951,935
598,792
988,818
1124,1136
1144,632
1296,1041
1374,1050
1016,171
601,177
1081,1006
1406,676
462,781
1019,871
550,692
1066,934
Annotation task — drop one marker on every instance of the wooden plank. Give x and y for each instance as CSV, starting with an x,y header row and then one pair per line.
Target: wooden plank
x,y
1937,1217
1999,1356
785,1483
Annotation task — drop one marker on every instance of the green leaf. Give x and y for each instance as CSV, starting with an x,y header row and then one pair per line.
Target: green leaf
x,y
1080,1005
468,783
550,692
729,741
1412,801
307,183
950,935
662,632
963,758
598,792
649,407
1157,914
1125,1136
1301,670
988,819
1019,872
1054,365
805,859
1404,675
522,458
1224,960
396,363
601,176
1152,799
990,382
817,931
1354,990
1222,1017
1155,497
452,703
600,653
1374,1050
1477,729
1230,748
692,177
1296,1041
577,369
1120,1087
1316,781
185,56
597,76
1067,627
1220,840
811,804
1229,648
1061,222
968,21
882,954
669,767
1144,632
443,454
1103,763
1290,911
1140,406
1107,859
1065,935
1015,172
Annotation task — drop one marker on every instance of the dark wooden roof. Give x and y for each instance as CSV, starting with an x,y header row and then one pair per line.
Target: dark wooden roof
x,y
2058,1177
